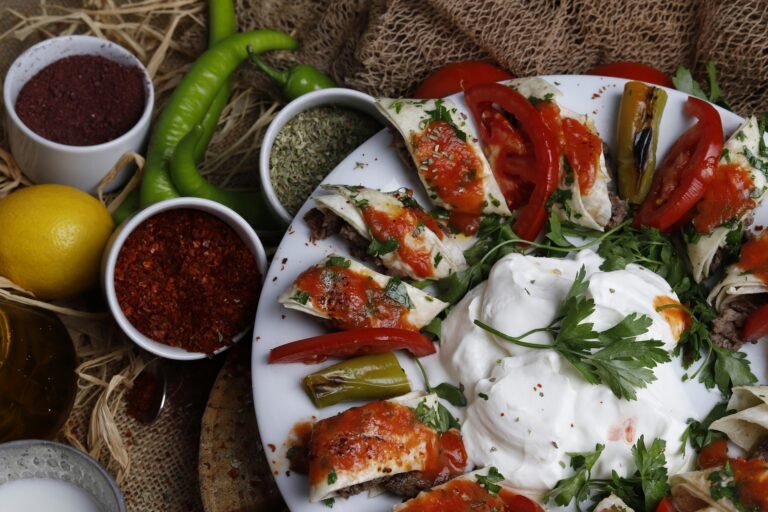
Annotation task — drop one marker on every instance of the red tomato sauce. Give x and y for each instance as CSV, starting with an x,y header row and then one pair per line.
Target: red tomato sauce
x,y
450,168
385,227
751,478
447,459
677,317
456,496
384,432
728,197
465,495
754,257
581,147
351,299
714,454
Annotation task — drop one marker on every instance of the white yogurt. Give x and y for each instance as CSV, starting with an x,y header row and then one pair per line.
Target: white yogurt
x,y
529,407
44,495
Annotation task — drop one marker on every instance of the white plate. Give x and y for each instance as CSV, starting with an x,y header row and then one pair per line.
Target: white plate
x,y
278,395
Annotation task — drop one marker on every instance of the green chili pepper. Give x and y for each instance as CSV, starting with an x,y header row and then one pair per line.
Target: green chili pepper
x,y
192,99
296,80
189,182
223,23
640,113
373,377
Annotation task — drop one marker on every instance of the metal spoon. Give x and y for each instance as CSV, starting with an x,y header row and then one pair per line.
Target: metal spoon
x,y
147,397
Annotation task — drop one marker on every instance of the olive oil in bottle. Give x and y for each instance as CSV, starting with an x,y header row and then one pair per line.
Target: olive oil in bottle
x,y
37,373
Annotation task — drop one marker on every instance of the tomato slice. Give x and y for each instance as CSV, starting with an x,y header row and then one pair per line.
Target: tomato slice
x,y
756,325
633,71
352,343
525,157
688,167
665,505
458,77
714,454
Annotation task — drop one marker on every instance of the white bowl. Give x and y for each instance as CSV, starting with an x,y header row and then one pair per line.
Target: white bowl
x,y
323,97
115,244
34,460
45,161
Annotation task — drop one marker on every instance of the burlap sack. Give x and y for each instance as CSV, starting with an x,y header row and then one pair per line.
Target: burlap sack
x,y
387,47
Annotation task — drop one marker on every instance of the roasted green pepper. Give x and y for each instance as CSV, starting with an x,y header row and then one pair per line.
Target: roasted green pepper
x,y
642,106
296,80
374,377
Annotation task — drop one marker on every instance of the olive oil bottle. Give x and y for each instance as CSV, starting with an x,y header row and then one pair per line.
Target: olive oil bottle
x,y
37,373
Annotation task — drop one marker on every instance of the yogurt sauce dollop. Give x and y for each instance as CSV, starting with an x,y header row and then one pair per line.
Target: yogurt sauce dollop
x,y
529,407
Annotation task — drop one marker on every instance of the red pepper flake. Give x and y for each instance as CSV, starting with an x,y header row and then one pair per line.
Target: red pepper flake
x,y
185,278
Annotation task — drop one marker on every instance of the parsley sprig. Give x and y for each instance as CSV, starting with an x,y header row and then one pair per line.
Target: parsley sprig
x,y
685,82
496,239
614,357
641,491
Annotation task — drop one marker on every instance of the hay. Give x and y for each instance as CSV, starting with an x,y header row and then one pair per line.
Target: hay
x,y
166,36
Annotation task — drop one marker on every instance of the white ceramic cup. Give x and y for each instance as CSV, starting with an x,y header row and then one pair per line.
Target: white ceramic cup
x,y
323,97
45,161
115,244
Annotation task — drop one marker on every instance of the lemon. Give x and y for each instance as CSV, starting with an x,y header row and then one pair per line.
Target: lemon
x,y
51,239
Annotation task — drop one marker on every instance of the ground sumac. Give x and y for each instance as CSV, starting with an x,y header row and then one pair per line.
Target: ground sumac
x,y
82,100
185,278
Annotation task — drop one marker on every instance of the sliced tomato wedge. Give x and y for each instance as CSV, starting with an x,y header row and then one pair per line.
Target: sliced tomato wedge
x,y
714,454
756,325
352,343
633,71
665,505
458,77
523,153
685,172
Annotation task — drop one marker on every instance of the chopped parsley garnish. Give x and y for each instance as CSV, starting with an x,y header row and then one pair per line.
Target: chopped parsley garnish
x,y
301,296
376,248
441,113
614,357
332,477
328,502
438,259
641,491
483,396
438,418
397,105
338,261
491,480
397,291
698,432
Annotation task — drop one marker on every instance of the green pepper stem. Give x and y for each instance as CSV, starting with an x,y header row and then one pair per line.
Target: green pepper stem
x,y
279,76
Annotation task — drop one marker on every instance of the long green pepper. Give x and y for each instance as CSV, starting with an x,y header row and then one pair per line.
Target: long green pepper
x,y
193,98
222,22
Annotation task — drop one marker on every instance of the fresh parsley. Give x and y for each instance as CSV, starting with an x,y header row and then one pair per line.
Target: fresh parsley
x,y
491,480
441,113
614,357
698,432
641,491
684,81
437,418
397,291
332,477
338,261
377,248
328,502
300,296
452,394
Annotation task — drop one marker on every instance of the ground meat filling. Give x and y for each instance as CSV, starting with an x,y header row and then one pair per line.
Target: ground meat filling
x,y
324,223
760,451
726,328
407,485
619,210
